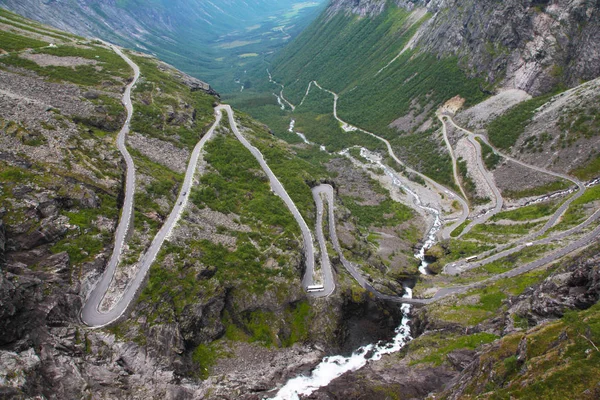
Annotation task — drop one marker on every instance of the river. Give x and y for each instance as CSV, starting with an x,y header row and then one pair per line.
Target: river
x,y
332,367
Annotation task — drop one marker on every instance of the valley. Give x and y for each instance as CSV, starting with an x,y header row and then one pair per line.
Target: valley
x,y
384,211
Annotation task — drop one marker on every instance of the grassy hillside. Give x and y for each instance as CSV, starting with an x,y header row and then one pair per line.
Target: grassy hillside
x,y
351,56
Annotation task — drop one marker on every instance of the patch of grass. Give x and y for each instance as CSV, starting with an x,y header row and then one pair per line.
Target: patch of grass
x,y
387,213
205,357
527,213
86,75
159,97
10,42
241,187
578,210
439,347
297,174
505,130
490,299
86,244
315,119
561,361
538,190
588,170
490,157
459,229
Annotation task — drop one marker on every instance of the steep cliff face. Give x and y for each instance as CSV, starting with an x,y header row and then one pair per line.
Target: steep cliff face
x,y
547,348
533,45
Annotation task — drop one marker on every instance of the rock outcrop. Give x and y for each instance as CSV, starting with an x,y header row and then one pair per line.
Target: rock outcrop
x,y
532,45
574,286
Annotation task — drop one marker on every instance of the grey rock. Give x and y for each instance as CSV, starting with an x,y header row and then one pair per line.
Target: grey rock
x,y
2,244
51,230
460,359
201,322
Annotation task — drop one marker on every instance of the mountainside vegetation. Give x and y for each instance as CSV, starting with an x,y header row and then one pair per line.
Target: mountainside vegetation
x,y
502,285
215,42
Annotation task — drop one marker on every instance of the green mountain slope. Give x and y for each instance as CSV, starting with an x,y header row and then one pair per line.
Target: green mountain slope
x,y
213,41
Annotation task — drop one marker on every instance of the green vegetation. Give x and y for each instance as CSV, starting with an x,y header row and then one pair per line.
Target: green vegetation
x,y
580,123
241,188
499,233
459,229
345,54
112,67
578,210
386,213
527,213
455,249
536,143
423,152
588,170
490,157
295,173
160,93
11,42
509,262
315,119
489,299
537,190
563,352
165,183
436,347
235,184
204,357
84,247
506,129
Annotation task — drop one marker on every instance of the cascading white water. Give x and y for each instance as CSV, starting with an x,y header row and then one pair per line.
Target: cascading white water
x,y
333,367
437,220
303,137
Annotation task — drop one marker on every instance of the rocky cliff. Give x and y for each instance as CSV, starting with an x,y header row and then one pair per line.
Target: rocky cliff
x,y
541,343
533,45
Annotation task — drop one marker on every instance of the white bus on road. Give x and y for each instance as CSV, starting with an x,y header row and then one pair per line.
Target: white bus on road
x,y
315,288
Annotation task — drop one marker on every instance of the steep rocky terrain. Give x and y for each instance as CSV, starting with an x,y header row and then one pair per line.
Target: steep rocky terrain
x,y
227,285
223,312
547,348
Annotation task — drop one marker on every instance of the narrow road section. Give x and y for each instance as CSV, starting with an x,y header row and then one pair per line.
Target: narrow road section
x,y
445,233
90,314
278,189
452,157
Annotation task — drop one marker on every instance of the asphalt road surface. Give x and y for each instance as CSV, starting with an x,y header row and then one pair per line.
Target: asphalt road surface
x,y
278,189
90,314
445,233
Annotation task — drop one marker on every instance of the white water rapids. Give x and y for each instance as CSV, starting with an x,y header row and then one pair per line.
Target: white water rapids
x,y
333,367
437,221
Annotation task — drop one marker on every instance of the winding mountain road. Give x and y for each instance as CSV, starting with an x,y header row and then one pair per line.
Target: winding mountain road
x,y
93,317
278,189
579,243
453,158
489,179
90,313
445,292
445,233
499,200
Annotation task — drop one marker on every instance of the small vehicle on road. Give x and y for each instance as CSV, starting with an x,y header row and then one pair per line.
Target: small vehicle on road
x,y
315,288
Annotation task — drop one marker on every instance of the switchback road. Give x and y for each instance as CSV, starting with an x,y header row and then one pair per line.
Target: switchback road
x,y
90,314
